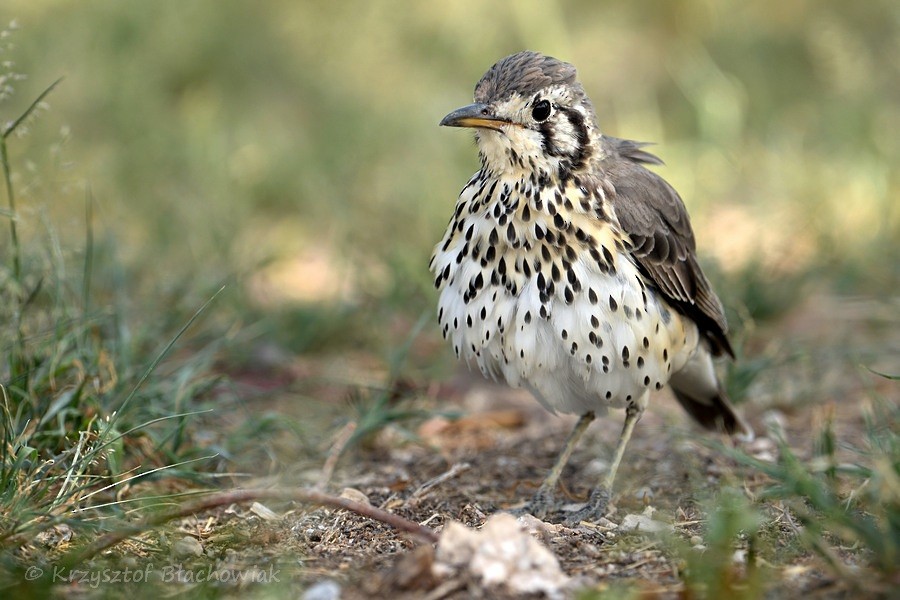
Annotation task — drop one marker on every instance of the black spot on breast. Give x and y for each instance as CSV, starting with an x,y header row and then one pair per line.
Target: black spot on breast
x,y
595,322
559,221
608,256
640,362
613,305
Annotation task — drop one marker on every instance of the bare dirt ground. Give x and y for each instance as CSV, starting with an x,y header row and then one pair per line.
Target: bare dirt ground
x,y
492,460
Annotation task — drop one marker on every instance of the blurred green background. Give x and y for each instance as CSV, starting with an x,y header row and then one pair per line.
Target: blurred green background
x,y
292,148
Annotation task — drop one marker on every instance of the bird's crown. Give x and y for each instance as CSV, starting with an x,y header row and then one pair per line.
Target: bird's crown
x,y
524,73
532,118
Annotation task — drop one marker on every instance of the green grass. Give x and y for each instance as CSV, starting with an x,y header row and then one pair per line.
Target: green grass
x,y
90,406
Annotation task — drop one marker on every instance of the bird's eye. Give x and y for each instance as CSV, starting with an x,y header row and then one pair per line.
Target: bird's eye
x,y
541,111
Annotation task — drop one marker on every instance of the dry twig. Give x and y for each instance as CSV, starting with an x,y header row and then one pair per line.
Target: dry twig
x,y
241,496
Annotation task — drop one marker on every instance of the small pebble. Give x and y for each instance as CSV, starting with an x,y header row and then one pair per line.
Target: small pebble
x,y
355,495
187,547
323,590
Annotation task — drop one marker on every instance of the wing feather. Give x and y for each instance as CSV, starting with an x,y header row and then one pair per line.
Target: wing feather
x,y
653,215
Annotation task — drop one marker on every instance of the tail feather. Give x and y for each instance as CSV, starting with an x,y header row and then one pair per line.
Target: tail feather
x,y
699,392
715,413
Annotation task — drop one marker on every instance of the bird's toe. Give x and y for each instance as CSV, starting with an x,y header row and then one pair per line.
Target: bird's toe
x,y
593,510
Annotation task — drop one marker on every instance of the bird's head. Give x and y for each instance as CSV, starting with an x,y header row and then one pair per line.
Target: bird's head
x,y
532,118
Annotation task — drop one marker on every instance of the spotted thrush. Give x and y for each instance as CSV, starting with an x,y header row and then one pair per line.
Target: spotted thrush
x,y
569,268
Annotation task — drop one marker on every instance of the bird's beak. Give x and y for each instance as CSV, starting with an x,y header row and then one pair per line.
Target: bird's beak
x,y
473,115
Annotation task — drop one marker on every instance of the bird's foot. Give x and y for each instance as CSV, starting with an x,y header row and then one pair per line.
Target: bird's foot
x,y
593,510
543,505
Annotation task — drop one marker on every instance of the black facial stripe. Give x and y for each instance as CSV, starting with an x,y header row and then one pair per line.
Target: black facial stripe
x,y
581,134
582,152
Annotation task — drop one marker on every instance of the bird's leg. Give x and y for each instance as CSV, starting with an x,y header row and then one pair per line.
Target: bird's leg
x,y
543,500
599,498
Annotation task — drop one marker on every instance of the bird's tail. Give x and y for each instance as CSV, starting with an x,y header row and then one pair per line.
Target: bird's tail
x,y
699,392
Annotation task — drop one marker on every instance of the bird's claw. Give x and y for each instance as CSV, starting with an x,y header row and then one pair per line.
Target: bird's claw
x,y
543,505
593,510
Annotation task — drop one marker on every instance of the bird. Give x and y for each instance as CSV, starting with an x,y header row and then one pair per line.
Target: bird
x,y
569,268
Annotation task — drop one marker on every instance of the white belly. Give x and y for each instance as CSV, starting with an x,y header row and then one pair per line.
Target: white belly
x,y
607,347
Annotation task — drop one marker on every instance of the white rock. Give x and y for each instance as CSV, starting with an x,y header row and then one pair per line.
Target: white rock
x,y
323,590
187,547
500,554
644,523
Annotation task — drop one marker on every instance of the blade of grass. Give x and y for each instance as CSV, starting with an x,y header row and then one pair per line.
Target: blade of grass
x,y
31,108
165,351
88,253
7,175
138,476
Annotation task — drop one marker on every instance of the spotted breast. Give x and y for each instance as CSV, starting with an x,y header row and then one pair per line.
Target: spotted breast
x,y
538,289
